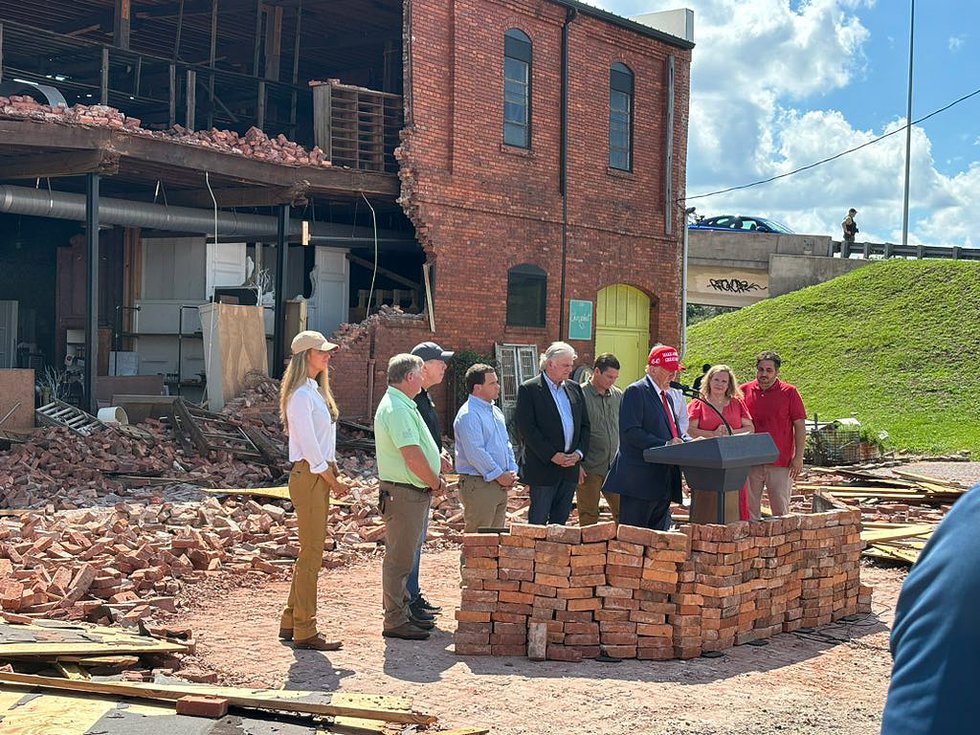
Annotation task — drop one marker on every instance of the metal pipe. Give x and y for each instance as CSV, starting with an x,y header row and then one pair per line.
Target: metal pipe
x,y
570,15
126,213
908,133
279,321
92,292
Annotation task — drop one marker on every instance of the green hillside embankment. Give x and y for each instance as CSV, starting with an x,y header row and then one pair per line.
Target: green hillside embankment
x,y
896,343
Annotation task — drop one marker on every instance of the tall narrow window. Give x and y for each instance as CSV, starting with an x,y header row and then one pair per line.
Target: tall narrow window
x,y
517,88
527,292
620,117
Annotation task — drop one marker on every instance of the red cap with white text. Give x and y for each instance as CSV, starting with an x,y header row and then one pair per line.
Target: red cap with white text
x,y
665,357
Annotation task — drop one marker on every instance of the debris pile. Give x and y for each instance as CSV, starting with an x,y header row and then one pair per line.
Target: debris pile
x,y
253,144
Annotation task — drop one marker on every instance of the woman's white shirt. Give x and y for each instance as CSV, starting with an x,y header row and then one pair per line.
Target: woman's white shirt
x,y
312,430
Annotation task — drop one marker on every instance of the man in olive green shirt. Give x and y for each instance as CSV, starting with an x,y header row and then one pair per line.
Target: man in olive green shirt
x,y
408,467
602,400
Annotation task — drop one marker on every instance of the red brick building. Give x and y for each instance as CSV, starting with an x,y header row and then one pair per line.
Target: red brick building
x,y
577,224
509,171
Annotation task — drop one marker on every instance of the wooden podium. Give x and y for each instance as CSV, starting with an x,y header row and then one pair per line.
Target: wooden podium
x,y
715,470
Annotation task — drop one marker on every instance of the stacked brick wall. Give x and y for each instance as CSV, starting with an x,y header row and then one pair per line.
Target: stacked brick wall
x,y
358,370
637,593
481,207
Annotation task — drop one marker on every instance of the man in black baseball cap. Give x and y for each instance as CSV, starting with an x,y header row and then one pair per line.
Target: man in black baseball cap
x,y
435,360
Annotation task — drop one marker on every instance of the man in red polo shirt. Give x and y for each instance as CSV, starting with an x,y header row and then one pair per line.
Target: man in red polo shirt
x,y
776,408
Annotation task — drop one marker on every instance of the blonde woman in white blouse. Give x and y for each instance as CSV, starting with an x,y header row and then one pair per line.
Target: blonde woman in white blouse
x,y
309,416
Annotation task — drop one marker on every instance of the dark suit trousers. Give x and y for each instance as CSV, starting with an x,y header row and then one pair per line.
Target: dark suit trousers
x,y
653,514
551,503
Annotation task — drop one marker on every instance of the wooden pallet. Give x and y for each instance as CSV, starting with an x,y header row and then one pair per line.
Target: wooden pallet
x,y
59,413
212,432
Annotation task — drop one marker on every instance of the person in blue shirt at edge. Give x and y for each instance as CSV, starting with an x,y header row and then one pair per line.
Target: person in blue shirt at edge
x,y
935,640
484,455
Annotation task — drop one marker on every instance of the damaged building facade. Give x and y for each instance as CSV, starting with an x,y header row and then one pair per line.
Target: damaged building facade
x,y
507,173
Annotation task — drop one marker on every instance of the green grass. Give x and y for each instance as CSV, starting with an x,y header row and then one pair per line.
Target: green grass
x,y
895,343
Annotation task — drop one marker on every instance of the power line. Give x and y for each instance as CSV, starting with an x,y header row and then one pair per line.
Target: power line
x,y
836,156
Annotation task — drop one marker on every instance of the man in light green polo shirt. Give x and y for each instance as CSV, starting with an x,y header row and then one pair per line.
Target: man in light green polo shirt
x,y
408,467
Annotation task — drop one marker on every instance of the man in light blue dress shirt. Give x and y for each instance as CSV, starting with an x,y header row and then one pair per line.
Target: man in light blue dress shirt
x,y
484,455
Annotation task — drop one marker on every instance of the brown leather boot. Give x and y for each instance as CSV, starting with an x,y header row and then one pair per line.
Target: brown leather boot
x,y
285,634
318,643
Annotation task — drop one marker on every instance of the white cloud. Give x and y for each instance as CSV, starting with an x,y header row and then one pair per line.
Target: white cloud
x,y
955,43
760,69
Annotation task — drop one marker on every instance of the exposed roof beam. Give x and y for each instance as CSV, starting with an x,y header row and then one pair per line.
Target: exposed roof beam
x,y
295,195
53,165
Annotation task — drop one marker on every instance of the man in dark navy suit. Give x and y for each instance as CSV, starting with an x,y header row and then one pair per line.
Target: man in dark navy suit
x,y
553,425
647,419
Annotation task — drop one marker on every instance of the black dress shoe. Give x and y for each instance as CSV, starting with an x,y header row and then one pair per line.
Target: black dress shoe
x,y
424,604
406,631
421,622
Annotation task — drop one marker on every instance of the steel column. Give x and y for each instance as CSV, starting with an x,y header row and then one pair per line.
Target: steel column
x,y
92,292
279,320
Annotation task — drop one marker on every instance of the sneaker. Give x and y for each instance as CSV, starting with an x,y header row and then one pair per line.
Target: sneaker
x,y
318,643
420,613
407,632
424,604
421,622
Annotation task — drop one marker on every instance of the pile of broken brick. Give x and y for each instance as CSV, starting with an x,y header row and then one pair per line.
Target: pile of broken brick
x,y
253,144
76,543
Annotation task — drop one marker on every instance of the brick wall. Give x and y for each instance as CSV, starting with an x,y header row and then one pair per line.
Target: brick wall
x,y
566,593
480,207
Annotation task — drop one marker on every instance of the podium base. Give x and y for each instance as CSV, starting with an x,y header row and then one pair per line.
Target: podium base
x,y
704,507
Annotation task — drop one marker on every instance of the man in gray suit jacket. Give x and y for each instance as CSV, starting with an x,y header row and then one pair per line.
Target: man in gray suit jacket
x,y
647,419
553,425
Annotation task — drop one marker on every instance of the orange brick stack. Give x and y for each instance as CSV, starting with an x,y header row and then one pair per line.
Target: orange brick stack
x,y
637,593
831,570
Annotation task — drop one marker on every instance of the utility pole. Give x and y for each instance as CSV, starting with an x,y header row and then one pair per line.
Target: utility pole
x,y
908,131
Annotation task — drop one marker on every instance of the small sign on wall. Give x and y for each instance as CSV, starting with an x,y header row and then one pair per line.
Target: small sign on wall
x,y
579,319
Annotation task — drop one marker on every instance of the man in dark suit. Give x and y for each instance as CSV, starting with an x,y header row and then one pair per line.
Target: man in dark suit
x,y
553,426
647,419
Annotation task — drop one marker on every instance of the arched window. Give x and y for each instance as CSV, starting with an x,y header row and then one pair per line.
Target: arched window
x,y
517,88
527,293
620,117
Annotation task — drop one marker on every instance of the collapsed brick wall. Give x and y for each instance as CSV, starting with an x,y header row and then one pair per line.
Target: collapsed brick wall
x,y
481,207
638,593
358,370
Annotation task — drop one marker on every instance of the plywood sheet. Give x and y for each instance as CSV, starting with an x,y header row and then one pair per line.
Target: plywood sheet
x,y
17,387
50,638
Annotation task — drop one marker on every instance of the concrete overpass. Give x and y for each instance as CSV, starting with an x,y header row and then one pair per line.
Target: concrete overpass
x,y
740,268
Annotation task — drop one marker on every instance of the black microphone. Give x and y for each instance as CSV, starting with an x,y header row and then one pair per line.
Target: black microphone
x,y
685,389
696,395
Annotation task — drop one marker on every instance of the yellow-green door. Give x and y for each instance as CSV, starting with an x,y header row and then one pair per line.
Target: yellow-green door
x,y
623,328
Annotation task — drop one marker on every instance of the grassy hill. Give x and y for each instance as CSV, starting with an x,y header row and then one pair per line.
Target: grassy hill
x,y
895,342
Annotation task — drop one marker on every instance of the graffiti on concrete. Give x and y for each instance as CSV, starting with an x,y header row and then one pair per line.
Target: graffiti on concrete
x,y
734,285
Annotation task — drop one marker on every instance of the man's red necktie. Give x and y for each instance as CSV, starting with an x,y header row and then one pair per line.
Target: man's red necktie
x,y
670,414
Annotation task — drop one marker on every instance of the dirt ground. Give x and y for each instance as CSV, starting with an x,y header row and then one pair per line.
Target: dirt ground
x,y
831,681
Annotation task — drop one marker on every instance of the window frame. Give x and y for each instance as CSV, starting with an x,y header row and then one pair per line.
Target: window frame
x,y
622,82
518,49
532,276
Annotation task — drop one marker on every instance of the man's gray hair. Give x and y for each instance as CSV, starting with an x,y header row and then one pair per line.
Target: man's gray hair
x,y
555,349
401,366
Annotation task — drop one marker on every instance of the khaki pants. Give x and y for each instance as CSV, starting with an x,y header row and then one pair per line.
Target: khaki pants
x,y
587,500
779,487
404,511
310,495
484,503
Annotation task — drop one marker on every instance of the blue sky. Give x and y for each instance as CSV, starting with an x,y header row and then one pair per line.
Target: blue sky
x,y
779,84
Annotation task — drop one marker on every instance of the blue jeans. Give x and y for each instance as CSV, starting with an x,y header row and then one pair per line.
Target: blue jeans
x,y
552,503
412,584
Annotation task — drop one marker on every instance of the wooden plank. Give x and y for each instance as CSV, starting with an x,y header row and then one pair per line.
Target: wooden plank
x,y
54,714
893,534
70,163
72,671
50,639
926,478
237,698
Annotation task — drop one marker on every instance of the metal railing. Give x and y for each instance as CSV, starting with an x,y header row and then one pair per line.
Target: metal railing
x,y
891,250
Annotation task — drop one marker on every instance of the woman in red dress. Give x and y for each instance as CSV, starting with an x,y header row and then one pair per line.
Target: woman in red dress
x,y
720,389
